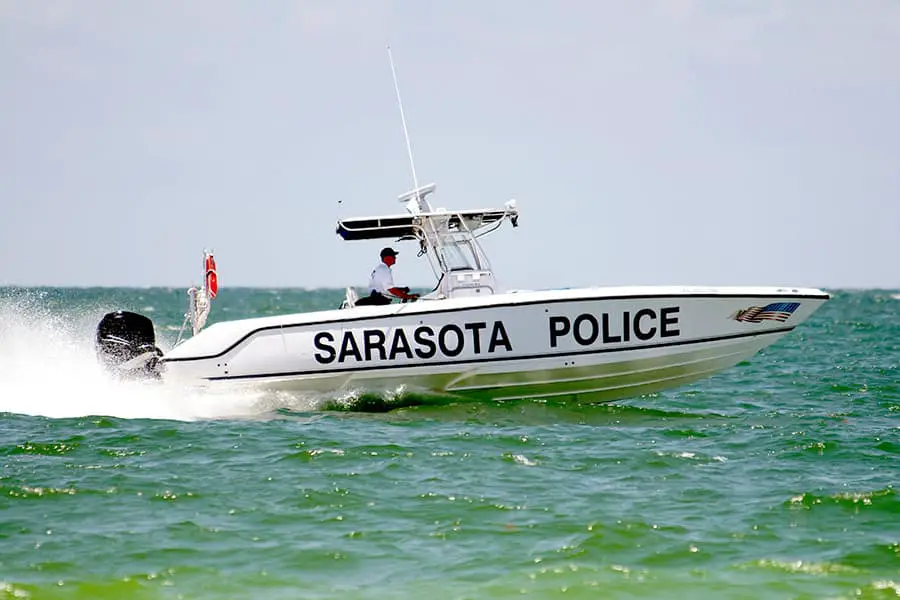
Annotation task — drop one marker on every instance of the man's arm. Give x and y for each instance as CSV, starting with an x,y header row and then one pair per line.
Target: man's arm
x,y
402,293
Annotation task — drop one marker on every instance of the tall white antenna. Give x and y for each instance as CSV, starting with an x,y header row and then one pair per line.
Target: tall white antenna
x,y
412,164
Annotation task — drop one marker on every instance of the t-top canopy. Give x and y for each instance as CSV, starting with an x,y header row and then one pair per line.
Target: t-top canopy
x,y
400,226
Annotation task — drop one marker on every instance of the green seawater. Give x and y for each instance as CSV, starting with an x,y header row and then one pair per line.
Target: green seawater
x,y
774,479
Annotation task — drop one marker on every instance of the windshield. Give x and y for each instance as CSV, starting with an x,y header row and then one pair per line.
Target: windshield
x,y
458,257
453,247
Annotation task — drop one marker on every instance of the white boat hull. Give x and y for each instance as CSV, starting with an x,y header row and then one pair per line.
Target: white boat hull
x,y
593,345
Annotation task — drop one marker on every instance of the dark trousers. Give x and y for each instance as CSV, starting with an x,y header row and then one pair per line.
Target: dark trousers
x,y
374,299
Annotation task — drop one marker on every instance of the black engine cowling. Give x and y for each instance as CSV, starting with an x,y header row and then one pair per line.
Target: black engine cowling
x,y
126,345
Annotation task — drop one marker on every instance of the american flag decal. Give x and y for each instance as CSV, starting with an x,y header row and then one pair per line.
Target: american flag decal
x,y
777,311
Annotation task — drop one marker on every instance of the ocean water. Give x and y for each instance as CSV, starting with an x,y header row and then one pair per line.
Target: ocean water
x,y
775,479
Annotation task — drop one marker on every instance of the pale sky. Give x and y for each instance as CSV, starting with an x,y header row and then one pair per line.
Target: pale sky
x,y
739,142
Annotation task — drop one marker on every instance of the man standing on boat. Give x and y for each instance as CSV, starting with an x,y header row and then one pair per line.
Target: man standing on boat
x,y
381,283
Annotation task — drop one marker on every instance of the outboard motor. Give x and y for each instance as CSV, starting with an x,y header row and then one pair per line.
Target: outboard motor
x,y
126,345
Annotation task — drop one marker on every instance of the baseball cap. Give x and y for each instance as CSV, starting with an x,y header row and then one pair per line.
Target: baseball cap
x,y
388,252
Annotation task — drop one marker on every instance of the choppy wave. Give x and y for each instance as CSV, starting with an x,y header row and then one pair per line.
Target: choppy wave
x,y
773,479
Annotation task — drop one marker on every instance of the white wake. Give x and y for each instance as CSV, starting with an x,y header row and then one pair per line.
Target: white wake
x,y
48,367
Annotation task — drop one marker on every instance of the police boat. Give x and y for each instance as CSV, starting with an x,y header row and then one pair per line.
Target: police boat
x,y
467,338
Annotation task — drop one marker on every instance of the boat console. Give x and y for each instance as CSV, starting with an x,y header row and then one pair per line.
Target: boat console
x,y
448,238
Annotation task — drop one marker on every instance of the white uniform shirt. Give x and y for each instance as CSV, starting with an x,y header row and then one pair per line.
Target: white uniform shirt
x,y
381,280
